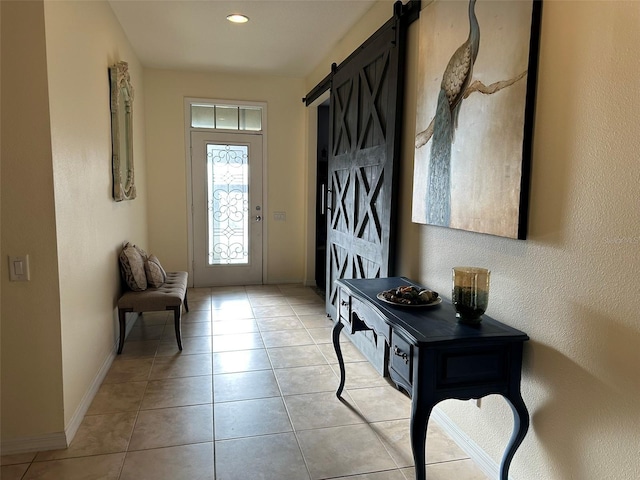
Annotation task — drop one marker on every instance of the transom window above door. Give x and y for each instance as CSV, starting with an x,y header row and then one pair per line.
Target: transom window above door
x,y
226,117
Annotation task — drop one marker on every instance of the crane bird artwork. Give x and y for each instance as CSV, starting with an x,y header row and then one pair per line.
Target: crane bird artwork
x,y
455,80
474,114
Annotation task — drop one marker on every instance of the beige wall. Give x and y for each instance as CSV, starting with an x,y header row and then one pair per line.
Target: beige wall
x,y
83,40
379,13
570,284
59,329
32,400
168,203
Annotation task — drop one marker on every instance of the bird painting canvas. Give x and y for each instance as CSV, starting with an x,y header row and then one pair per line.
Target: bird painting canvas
x,y
474,106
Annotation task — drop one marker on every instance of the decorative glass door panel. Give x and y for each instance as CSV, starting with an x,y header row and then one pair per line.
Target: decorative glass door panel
x,y
228,204
226,180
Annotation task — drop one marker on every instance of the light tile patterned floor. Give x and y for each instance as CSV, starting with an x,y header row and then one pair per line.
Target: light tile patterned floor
x,y
250,397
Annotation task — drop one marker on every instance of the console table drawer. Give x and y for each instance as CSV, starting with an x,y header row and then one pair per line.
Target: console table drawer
x,y
344,304
460,367
401,358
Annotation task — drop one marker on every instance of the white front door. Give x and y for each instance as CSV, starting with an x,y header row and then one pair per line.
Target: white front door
x,y
226,180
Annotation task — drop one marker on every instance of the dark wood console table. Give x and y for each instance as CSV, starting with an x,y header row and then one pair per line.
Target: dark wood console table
x,y
433,357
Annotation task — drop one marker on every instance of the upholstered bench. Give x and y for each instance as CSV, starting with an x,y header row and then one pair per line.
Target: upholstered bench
x,y
171,295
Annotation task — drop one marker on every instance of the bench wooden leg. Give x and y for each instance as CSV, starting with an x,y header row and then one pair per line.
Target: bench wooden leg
x,y
122,316
177,311
186,303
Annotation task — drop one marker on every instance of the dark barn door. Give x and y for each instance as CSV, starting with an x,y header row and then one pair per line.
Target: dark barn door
x,y
364,146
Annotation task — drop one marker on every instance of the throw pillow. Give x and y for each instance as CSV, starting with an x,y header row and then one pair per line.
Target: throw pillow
x,y
142,253
132,268
156,276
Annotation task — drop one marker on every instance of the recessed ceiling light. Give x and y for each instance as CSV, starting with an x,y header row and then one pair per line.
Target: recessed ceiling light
x,y
237,18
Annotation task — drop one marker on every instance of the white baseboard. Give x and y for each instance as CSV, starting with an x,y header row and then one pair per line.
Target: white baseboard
x,y
72,428
61,440
50,441
78,416
479,456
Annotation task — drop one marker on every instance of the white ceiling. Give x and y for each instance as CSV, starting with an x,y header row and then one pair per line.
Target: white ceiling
x,y
282,37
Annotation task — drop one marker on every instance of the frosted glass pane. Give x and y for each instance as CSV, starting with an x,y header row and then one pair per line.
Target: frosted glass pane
x,y
202,116
250,119
228,204
227,117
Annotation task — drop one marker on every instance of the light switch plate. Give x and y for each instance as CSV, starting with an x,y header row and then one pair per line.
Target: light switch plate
x,y
19,268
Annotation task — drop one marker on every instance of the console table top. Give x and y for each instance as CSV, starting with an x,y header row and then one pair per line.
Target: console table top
x,y
426,325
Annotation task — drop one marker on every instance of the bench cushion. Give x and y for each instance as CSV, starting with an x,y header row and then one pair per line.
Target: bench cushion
x,y
170,294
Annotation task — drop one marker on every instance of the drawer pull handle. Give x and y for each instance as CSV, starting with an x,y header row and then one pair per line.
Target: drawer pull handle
x,y
401,354
344,303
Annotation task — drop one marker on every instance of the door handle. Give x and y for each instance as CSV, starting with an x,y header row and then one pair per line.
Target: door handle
x,y
258,218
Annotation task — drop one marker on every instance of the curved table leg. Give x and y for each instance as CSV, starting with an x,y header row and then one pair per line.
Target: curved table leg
x,y
520,427
335,333
420,412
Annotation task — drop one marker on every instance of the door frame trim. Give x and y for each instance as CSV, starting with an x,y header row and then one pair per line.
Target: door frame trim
x,y
188,101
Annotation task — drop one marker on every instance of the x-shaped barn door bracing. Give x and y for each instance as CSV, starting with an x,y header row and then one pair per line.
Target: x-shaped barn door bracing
x,y
371,193
370,98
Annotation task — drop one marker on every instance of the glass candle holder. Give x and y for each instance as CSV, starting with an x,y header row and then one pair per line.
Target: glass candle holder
x,y
470,295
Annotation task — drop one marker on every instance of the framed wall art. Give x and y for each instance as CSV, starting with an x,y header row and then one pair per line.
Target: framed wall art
x,y
124,187
474,119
